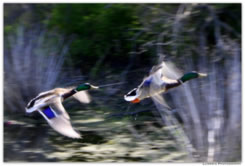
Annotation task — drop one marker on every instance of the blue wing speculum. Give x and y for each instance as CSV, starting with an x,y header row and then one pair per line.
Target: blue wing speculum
x,y
148,82
49,113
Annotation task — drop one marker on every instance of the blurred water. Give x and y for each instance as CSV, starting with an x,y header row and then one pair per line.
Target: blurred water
x,y
104,140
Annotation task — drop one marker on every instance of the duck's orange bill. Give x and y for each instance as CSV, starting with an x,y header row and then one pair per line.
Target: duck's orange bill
x,y
135,100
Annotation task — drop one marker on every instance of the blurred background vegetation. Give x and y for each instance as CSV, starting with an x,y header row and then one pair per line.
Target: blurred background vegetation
x,y
106,32
50,45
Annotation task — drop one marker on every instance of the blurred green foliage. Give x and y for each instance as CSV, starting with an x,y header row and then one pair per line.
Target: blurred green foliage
x,y
97,30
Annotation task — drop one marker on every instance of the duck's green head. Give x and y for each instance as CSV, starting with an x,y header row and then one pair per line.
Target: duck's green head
x,y
192,75
85,86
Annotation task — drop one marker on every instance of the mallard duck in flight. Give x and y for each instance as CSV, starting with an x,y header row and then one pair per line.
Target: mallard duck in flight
x,y
49,105
160,80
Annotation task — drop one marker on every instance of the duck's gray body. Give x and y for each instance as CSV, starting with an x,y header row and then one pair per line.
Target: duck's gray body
x,y
49,105
161,78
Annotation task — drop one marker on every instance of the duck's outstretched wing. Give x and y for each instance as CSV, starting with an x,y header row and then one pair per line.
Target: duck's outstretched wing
x,y
58,119
160,102
44,95
83,97
165,74
169,71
